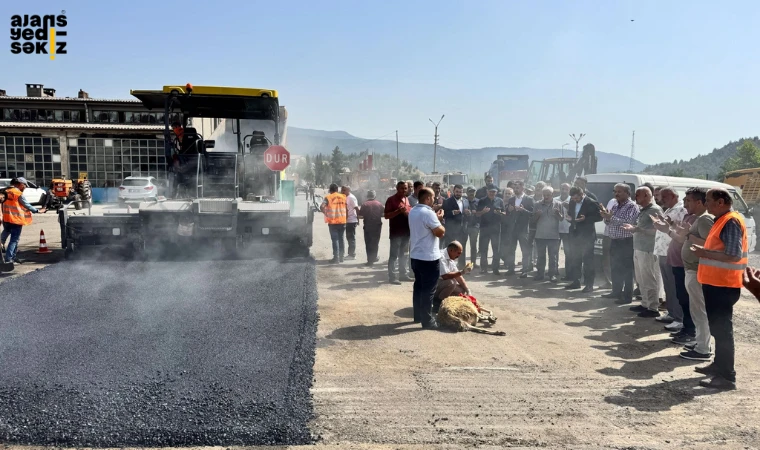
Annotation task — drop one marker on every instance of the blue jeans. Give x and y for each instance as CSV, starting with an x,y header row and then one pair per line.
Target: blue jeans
x,y
426,274
14,231
336,235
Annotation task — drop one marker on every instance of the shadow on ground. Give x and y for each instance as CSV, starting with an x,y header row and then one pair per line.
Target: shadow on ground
x,y
660,396
364,280
370,332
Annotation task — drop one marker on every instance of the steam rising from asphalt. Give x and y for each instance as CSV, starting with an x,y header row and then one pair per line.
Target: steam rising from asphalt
x,y
158,354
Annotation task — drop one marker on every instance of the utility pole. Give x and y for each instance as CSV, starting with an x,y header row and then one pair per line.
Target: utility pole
x,y
563,149
633,152
398,161
435,141
577,139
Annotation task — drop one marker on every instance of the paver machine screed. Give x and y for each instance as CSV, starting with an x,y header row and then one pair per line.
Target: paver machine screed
x,y
222,202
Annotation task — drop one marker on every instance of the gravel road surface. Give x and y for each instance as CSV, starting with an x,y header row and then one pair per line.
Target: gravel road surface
x,y
152,354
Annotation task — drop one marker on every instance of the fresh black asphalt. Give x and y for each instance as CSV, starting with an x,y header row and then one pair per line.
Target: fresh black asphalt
x,y
158,354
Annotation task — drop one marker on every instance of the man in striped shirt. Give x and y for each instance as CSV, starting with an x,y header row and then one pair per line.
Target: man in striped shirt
x,y
623,212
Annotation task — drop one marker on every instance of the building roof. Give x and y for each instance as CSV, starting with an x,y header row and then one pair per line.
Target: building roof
x,y
68,99
81,126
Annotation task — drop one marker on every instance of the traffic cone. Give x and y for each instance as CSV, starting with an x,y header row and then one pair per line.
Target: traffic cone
x,y
43,244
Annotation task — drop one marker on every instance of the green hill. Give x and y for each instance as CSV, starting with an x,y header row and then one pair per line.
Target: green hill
x,y
702,165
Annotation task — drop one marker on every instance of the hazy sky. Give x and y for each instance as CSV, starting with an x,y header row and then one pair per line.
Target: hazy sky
x,y
505,73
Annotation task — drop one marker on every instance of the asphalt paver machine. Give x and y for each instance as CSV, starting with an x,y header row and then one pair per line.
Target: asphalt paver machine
x,y
223,203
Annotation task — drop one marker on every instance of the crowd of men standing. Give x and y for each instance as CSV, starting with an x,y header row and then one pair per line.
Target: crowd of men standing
x,y
688,256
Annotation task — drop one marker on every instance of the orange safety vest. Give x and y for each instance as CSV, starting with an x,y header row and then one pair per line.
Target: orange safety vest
x,y
335,210
719,273
13,212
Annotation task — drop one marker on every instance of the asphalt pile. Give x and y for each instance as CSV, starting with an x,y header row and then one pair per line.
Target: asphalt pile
x,y
158,354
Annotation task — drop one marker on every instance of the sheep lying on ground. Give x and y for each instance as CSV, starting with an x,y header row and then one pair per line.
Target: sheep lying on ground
x,y
461,314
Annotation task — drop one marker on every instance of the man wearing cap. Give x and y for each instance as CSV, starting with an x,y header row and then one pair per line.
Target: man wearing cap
x,y
372,212
483,192
17,212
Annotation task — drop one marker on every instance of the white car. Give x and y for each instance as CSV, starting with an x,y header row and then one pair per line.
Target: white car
x,y
33,194
138,189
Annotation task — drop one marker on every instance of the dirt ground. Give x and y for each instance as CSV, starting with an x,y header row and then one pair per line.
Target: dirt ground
x,y
574,371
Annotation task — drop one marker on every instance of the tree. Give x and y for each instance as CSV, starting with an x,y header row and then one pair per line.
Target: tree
x,y
747,156
337,162
677,173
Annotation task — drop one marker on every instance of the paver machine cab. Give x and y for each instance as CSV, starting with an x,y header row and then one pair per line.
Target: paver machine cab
x,y
228,200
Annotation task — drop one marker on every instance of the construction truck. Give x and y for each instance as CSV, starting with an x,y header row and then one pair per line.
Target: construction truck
x,y
228,201
556,171
748,181
508,168
366,177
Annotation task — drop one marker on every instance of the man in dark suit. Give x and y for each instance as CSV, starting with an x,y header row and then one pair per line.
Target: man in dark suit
x,y
582,213
520,210
456,212
490,211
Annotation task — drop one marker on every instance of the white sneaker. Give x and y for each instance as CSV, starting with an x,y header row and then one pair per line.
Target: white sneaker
x,y
665,318
674,326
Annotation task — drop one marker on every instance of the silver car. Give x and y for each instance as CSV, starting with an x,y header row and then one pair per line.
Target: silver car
x,y
138,189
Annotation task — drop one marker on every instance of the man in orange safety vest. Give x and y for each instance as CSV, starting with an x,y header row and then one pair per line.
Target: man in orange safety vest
x,y
17,212
722,265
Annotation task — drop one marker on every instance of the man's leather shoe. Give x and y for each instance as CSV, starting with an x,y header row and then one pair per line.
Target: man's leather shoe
x,y
496,272
623,301
524,275
538,278
553,278
402,278
509,272
575,285
718,382
611,295
588,289
637,308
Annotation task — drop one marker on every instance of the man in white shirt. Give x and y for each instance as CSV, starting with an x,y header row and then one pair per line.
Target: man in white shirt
x,y
674,213
425,231
451,281
352,220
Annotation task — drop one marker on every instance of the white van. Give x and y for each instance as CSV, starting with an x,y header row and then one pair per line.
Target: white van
x,y
602,186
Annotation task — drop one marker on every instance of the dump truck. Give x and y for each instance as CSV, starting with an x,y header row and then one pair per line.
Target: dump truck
x,y
224,201
507,168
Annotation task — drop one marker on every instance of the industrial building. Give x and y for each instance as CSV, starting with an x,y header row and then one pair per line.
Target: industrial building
x,y
44,136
